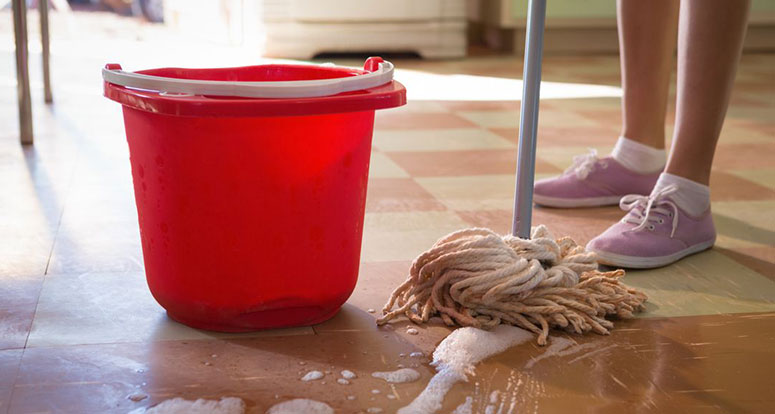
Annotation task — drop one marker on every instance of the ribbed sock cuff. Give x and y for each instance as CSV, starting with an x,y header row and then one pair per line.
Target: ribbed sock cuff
x,y
638,157
691,196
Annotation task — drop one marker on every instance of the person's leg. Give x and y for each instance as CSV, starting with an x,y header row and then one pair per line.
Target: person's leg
x,y
647,33
675,220
710,41
646,44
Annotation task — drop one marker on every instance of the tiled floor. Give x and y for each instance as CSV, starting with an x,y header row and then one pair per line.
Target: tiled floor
x,y
79,330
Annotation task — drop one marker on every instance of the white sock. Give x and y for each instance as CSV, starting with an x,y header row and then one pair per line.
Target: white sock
x,y
691,196
638,157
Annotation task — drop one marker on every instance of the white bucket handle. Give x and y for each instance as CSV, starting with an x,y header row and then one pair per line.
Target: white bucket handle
x,y
282,89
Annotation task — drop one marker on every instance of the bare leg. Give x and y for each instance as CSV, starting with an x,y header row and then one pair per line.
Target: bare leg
x,y
710,39
647,31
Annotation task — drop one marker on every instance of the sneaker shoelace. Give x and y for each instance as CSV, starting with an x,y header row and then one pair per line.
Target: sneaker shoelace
x,y
645,211
585,163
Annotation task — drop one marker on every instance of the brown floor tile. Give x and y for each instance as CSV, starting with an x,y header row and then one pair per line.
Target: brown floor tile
x,y
409,120
742,156
729,187
459,163
399,194
580,224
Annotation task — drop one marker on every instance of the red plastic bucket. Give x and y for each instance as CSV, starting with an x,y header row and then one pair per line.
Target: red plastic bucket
x,y
251,209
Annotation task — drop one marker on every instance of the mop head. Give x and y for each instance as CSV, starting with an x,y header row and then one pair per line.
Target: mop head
x,y
475,277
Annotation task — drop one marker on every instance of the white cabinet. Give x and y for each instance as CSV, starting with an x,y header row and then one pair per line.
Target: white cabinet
x,y
303,28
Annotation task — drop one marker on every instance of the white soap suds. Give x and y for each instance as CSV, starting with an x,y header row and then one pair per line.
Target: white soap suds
x,y
374,410
466,407
399,376
137,396
416,355
300,406
412,331
343,381
556,345
350,397
390,397
494,396
375,391
370,310
228,405
455,358
312,376
347,374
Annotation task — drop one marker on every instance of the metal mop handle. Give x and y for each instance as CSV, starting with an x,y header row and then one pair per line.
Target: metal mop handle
x,y
528,119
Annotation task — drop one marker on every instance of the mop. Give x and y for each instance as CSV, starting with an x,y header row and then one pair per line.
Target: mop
x,y
529,279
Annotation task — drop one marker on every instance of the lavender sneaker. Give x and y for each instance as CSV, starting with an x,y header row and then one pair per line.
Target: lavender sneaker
x,y
592,182
655,232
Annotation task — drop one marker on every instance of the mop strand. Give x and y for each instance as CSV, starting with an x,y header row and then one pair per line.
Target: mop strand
x,y
475,277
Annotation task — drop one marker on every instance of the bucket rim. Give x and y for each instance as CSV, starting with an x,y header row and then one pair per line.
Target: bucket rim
x,y
220,102
376,72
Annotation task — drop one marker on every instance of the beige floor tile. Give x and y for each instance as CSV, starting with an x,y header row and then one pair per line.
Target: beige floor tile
x,y
703,284
439,140
402,236
383,167
746,221
583,104
759,114
421,106
510,119
480,192
732,241
99,308
734,133
761,177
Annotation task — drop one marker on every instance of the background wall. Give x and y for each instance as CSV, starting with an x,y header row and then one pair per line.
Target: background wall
x,y
584,26
603,8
